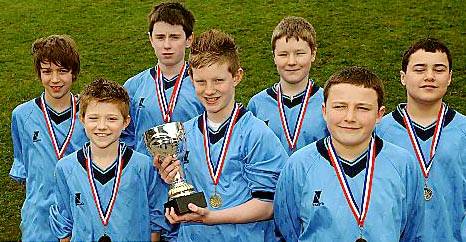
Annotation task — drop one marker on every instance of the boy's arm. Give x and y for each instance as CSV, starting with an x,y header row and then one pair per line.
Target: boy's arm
x,y
286,204
463,167
18,171
415,203
252,106
248,212
155,237
60,216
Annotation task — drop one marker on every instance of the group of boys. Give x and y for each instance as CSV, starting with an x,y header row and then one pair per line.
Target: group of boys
x,y
300,163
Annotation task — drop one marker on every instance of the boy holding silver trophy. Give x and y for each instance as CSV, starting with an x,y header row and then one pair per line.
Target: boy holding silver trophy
x,y
233,157
106,191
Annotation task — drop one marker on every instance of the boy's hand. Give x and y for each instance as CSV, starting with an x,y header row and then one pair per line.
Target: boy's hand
x,y
167,168
198,215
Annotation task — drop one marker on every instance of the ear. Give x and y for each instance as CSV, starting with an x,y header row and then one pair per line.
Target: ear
x,y
402,78
380,114
189,40
238,76
449,80
127,121
149,35
324,112
314,54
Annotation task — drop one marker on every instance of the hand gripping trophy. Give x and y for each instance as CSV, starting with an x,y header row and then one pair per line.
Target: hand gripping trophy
x,y
169,140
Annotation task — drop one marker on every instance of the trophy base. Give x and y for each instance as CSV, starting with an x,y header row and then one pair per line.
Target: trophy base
x,y
180,204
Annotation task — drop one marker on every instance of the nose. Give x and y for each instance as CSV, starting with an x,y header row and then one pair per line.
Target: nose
x,y
210,88
101,124
350,115
429,75
292,60
55,76
167,43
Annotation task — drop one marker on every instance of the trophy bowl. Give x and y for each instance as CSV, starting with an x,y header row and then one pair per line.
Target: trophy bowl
x,y
170,140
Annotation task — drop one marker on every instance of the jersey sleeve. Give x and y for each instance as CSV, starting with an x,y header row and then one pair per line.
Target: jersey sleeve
x,y
252,106
286,204
264,160
60,216
18,170
158,195
128,134
415,203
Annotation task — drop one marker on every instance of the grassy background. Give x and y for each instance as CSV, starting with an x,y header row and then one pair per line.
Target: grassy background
x,y
112,42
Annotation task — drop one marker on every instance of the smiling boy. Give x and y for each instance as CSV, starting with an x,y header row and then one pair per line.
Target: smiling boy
x,y
44,130
106,191
163,93
435,134
234,167
291,107
351,185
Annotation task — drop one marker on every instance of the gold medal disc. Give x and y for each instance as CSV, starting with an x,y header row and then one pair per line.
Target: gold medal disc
x,y
215,201
428,193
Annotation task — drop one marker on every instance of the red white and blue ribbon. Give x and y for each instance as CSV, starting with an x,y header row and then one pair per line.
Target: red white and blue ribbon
x,y
104,216
167,107
59,151
359,213
293,139
423,162
215,172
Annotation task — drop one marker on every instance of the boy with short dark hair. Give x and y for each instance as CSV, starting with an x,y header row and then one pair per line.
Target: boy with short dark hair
x,y
435,134
106,191
163,93
44,130
351,185
296,97
239,162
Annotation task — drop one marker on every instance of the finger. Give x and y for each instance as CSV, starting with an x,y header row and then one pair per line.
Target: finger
x,y
197,210
156,161
169,217
166,162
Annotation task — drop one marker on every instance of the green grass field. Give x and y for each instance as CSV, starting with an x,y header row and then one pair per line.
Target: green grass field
x,y
112,40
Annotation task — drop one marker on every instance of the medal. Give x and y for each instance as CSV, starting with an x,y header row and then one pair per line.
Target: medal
x,y
215,200
104,216
167,109
59,151
215,172
359,213
293,140
423,163
427,193
105,238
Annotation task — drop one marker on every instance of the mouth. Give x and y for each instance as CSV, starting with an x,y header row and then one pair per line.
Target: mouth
x,y
167,54
56,88
348,128
101,134
211,100
428,86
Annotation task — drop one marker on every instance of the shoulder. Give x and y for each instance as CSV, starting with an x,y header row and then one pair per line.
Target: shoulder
x,y
252,125
305,158
459,122
138,78
24,110
68,162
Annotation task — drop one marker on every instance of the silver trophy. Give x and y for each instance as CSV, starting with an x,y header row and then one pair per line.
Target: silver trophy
x,y
170,140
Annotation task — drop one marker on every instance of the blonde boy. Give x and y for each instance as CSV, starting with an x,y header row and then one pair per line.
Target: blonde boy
x,y
234,167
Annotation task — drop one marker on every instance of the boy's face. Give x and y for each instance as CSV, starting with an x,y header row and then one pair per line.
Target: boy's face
x,y
103,123
56,80
293,59
351,113
215,88
427,76
169,43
